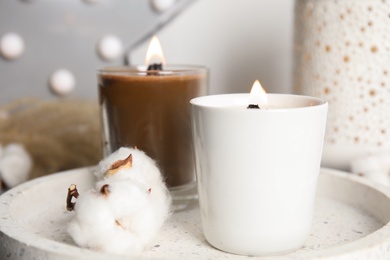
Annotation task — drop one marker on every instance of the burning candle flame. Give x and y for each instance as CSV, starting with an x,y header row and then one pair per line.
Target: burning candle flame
x,y
258,96
154,53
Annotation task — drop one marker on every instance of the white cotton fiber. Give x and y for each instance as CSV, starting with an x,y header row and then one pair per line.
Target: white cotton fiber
x,y
375,167
142,164
15,164
378,177
126,215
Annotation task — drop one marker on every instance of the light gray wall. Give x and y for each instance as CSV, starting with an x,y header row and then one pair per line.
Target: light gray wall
x,y
239,41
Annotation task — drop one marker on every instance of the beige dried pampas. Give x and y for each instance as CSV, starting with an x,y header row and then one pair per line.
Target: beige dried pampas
x,y
58,134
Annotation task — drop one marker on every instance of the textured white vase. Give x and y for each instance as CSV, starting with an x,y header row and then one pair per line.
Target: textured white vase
x,y
342,55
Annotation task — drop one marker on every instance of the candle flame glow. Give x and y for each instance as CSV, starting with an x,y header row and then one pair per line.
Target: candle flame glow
x,y
258,96
154,53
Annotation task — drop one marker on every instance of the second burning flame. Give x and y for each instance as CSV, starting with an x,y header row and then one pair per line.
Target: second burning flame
x,y
257,96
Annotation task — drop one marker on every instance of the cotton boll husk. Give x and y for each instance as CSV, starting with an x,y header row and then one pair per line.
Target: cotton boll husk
x,y
123,222
143,168
106,163
15,164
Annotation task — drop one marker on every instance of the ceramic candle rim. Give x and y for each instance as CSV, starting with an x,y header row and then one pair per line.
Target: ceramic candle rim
x,y
141,70
277,102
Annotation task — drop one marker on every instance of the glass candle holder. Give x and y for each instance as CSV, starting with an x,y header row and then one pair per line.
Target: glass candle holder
x,y
151,110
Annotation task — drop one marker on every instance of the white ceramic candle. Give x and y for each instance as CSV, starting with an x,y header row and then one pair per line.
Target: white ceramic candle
x,y
257,170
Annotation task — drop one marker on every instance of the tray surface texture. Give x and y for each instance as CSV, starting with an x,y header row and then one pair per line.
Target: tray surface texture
x,y
350,221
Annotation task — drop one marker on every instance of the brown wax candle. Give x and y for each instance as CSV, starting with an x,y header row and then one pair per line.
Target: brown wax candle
x,y
152,111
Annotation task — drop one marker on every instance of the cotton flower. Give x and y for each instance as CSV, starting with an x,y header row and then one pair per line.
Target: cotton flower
x,y
125,210
141,164
15,164
375,167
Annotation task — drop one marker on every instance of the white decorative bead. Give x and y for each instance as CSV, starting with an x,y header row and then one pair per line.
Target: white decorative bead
x,y
110,47
11,46
161,5
62,82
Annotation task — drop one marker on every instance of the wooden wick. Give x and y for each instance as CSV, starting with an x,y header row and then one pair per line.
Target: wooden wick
x,y
252,106
154,69
72,193
155,66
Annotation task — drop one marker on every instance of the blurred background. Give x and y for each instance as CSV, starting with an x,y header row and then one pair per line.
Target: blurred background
x,y
239,41
50,52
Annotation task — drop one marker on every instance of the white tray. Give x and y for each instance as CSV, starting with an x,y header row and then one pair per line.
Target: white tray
x,y
351,221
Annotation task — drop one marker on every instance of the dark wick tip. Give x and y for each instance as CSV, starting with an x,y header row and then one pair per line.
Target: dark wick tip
x,y
251,106
155,66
